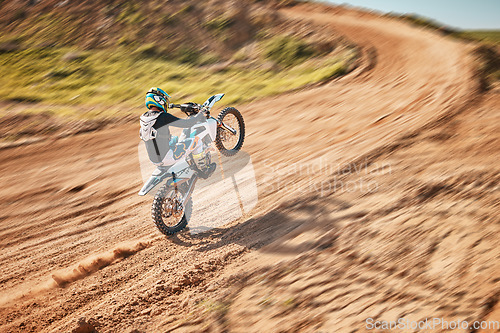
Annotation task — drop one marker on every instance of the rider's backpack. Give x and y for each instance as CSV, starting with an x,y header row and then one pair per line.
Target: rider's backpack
x,y
156,138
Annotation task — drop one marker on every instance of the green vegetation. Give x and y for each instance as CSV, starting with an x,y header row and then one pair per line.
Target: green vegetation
x,y
210,305
287,50
188,55
116,80
176,17
424,22
219,23
488,36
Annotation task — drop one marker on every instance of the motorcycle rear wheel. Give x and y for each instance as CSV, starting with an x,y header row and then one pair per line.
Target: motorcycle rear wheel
x,y
168,213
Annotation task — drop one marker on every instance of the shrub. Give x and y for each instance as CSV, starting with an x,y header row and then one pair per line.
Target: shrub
x,y
425,22
125,40
219,23
188,55
9,47
489,65
287,50
485,36
24,99
169,19
61,73
147,51
12,44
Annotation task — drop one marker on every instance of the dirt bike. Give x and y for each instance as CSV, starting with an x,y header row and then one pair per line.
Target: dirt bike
x,y
172,203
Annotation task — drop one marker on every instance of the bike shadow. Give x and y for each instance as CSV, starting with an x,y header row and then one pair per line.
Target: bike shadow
x,y
292,228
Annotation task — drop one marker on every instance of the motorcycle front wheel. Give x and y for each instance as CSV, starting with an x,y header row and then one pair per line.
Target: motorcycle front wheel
x,y
226,142
169,213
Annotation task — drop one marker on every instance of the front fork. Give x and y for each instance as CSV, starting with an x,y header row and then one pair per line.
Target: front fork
x,y
224,126
227,127
190,189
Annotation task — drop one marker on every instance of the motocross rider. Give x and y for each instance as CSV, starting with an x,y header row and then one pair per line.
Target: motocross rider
x,y
157,103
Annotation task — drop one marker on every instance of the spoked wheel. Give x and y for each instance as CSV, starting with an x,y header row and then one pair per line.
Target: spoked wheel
x,y
168,211
229,143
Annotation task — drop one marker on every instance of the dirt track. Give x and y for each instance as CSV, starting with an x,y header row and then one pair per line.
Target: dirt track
x,y
77,241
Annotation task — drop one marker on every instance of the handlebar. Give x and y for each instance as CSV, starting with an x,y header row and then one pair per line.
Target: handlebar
x,y
190,108
186,106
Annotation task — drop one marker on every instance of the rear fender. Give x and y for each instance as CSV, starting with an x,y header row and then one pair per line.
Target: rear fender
x,y
156,177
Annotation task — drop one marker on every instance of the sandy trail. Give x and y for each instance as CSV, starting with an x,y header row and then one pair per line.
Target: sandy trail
x,y
69,207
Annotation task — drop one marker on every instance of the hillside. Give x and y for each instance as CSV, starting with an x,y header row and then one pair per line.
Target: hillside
x,y
217,26
91,59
